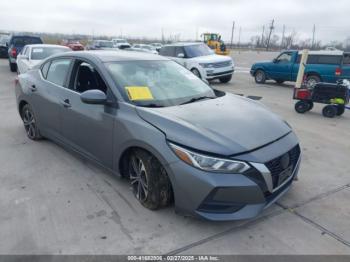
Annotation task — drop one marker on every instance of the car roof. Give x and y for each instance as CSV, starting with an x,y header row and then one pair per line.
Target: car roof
x,y
114,56
24,35
324,52
184,44
47,45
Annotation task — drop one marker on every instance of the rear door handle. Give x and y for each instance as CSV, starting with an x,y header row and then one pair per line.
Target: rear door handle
x,y
66,103
33,88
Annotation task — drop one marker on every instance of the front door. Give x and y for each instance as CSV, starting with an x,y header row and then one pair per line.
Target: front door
x,y
281,68
86,127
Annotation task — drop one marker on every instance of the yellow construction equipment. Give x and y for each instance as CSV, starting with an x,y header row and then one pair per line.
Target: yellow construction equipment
x,y
214,41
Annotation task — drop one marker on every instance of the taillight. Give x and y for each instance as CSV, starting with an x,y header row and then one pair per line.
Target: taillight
x,y
338,71
13,52
302,94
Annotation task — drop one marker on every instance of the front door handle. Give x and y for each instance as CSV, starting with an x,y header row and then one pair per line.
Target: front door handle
x,y
66,103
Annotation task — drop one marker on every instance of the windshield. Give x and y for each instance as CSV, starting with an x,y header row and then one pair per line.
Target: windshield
x,y
105,44
197,50
40,53
159,83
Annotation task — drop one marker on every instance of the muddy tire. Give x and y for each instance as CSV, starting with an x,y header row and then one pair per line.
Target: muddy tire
x,y
29,122
149,180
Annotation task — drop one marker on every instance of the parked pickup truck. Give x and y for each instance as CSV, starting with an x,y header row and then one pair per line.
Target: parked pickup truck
x,y
325,66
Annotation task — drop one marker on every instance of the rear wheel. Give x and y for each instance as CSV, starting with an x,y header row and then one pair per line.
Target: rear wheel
x,y
149,180
29,122
260,77
329,111
225,79
340,110
302,106
312,80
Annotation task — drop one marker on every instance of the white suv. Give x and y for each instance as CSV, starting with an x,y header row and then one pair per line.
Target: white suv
x,y
121,43
201,60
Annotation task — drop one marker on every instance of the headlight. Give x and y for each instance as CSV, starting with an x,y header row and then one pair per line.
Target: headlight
x,y
209,163
206,65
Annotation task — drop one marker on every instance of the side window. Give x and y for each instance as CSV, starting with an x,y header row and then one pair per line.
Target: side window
x,y
311,59
329,59
86,77
167,51
179,50
284,58
45,68
58,71
346,59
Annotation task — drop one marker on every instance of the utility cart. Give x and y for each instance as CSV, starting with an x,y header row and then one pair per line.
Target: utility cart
x,y
335,96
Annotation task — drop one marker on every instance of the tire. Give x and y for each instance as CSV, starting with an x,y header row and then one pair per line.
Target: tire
x,y
302,107
149,180
29,122
311,105
196,72
329,111
340,110
279,81
311,80
13,67
260,77
225,79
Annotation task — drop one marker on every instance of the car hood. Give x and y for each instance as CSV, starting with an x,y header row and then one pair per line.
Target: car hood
x,y
212,58
262,63
225,126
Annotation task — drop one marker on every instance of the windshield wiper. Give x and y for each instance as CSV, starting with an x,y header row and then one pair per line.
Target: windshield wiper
x,y
194,99
152,105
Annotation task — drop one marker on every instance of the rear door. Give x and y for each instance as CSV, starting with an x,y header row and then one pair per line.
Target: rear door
x,y
47,95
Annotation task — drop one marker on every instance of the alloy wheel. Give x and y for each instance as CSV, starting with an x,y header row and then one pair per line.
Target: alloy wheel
x,y
29,123
138,178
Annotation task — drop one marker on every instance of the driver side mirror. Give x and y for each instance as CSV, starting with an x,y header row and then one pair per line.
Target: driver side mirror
x,y
275,60
181,55
94,96
25,57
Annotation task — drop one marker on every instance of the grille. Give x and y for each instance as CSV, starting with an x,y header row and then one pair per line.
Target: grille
x,y
222,64
276,166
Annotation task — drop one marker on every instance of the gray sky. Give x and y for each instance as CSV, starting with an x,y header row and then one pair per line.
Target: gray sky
x,y
184,17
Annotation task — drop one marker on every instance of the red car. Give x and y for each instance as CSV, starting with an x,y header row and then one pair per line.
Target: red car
x,y
75,45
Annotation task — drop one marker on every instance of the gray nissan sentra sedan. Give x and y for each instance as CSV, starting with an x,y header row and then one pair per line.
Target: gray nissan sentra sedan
x,y
216,155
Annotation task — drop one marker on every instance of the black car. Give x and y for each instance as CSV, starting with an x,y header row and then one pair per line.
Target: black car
x,y
3,46
15,46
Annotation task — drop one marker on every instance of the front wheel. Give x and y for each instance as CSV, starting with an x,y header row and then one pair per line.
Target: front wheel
x,y
29,122
225,79
149,180
260,77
